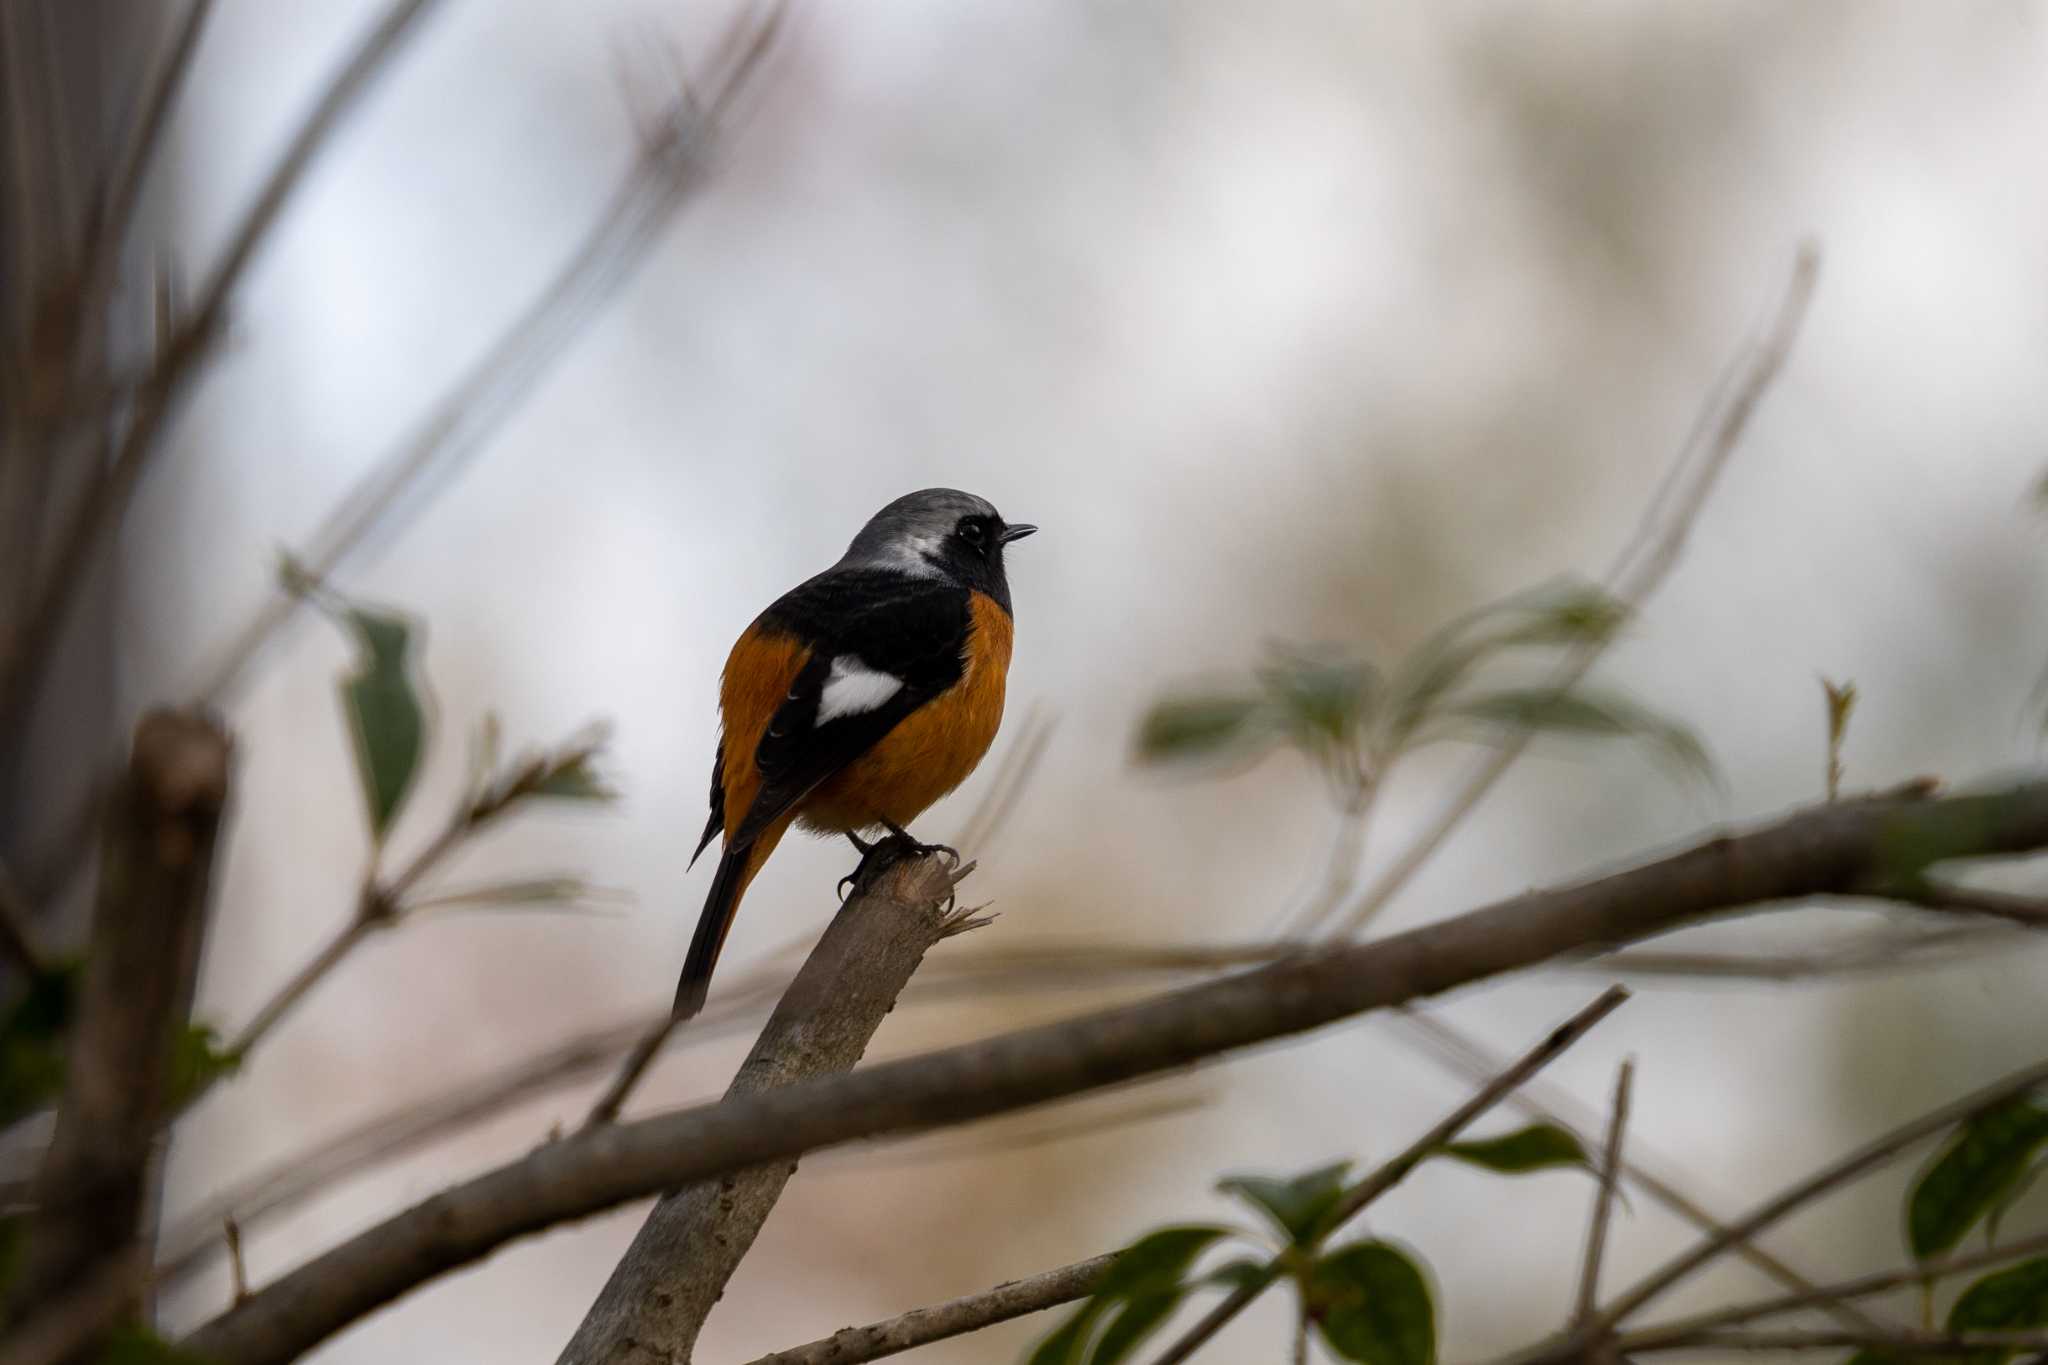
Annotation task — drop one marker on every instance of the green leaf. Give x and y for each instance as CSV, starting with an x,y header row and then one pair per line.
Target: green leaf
x,y
1535,1148
1980,1167
1587,714
1372,1303
1203,728
140,1346
1297,1206
1157,1260
1240,1274
1323,697
1067,1341
1139,1318
197,1061
2004,1205
384,711
1570,613
575,781
1147,1273
2014,1299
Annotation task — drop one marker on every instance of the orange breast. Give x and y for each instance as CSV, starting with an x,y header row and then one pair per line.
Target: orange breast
x,y
932,751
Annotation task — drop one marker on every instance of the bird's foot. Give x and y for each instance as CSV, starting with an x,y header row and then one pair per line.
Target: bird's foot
x,y
884,853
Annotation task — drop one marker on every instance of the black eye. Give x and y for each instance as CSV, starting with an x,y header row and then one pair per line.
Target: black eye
x,y
971,532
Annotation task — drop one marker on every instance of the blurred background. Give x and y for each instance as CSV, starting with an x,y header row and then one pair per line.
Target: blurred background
x,y
1323,321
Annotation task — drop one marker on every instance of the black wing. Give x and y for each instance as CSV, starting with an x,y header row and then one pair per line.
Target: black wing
x,y
913,629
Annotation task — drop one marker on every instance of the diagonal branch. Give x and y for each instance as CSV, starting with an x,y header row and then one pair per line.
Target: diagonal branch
x,y
957,1317
1395,1171
1828,849
658,1296
100,509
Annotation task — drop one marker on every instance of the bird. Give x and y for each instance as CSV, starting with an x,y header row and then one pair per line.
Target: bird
x,y
858,699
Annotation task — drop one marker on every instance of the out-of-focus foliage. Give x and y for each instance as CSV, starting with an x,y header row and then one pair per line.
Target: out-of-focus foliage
x,y
1355,721
1366,1300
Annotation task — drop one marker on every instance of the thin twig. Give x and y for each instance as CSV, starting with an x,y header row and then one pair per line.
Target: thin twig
x,y
1457,1051
1393,1172
671,165
1821,1295
1859,1162
238,1273
1603,1203
1013,1299
1998,1344
1637,575
104,504
129,171
1928,895
1816,851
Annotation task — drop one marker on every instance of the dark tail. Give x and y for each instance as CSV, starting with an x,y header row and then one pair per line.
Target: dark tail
x,y
735,870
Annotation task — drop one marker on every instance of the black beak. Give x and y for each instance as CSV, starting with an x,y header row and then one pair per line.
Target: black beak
x,y
1016,532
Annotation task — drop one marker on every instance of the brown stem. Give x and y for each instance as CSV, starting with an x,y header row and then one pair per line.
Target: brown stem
x,y
141,964
1603,1204
676,1269
1819,851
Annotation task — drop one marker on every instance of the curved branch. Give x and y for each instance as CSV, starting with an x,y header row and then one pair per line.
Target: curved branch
x,y
1828,849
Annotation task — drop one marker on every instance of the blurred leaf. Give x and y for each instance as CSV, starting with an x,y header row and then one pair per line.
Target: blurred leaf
x,y
1981,1166
2014,1299
571,895
2006,1201
139,1346
1566,614
32,1042
1146,1275
1372,1303
1538,1147
1157,1260
1138,1319
1189,728
384,711
1323,697
197,1061
1594,715
575,781
1240,1274
1067,1341
1297,1206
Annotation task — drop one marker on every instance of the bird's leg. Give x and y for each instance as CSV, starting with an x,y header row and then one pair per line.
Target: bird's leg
x,y
897,834
882,854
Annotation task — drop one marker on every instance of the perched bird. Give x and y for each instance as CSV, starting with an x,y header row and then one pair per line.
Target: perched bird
x,y
859,698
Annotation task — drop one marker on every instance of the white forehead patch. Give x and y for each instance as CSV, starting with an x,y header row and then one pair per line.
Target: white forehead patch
x,y
853,688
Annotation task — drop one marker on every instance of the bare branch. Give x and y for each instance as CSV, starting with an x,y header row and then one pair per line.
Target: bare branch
x,y
137,991
1603,1204
1451,1047
1817,851
922,1326
101,508
1821,1295
1857,1163
1393,1172
676,1269
672,165
1901,1343
1639,572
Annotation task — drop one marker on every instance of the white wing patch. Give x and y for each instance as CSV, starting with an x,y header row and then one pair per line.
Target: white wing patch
x,y
853,687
